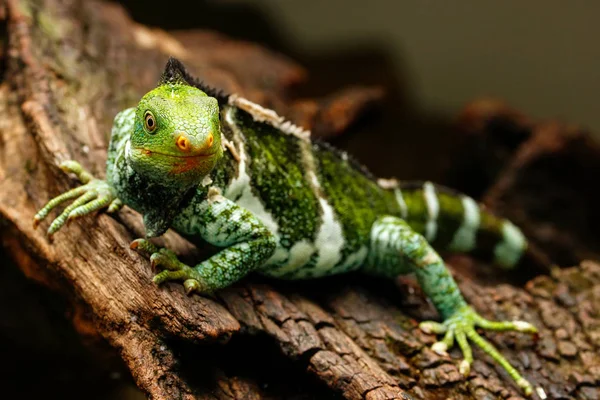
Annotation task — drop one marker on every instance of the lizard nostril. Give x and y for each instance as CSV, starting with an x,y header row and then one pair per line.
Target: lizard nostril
x,y
183,143
210,139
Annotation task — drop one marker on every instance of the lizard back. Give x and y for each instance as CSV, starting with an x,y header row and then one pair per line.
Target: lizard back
x,y
318,202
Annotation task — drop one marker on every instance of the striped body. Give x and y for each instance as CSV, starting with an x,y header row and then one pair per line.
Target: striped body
x,y
239,176
321,206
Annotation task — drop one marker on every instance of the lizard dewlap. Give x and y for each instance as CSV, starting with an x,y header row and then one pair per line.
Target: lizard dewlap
x,y
240,177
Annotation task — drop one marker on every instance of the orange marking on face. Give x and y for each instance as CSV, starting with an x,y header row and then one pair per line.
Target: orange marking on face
x,y
185,164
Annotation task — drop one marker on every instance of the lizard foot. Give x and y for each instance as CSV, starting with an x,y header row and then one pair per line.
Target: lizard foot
x,y
173,269
93,195
461,326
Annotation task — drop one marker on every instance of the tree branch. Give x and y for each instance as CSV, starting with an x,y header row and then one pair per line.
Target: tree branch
x,y
71,66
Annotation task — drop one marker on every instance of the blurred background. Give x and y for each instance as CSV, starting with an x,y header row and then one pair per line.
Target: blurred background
x,y
432,58
541,56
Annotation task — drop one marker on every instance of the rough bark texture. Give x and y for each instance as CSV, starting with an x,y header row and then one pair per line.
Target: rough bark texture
x,y
69,66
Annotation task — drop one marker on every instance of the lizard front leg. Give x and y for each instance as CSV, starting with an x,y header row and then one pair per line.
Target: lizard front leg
x,y
221,222
93,195
397,249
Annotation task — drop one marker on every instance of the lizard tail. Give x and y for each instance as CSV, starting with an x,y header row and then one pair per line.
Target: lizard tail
x,y
452,221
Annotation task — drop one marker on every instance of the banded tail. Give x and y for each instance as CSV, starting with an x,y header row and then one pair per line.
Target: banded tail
x,y
453,221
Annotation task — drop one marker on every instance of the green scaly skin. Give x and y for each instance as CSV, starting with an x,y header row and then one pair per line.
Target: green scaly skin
x,y
239,177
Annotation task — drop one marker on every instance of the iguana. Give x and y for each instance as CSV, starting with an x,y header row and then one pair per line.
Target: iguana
x,y
242,178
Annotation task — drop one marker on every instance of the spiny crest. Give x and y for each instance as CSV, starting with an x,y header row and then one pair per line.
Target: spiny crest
x,y
342,155
176,73
262,114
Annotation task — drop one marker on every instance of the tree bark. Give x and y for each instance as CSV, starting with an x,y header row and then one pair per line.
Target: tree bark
x,y
70,66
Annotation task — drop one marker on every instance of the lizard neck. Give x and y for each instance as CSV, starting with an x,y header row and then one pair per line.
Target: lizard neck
x,y
158,202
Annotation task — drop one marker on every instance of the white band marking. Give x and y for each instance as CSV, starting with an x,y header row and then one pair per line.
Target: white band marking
x,y
465,238
433,210
401,203
508,252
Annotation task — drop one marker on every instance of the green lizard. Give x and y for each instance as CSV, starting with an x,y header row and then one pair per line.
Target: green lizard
x,y
242,178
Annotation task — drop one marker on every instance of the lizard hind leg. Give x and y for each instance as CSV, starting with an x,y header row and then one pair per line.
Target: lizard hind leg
x,y
397,249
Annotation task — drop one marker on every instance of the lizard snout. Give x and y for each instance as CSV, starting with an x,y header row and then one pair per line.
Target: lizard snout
x,y
186,144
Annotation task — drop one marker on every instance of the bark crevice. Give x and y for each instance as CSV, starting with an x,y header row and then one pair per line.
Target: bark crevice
x,y
72,65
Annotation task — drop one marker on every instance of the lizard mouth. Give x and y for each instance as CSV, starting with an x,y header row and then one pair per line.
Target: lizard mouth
x,y
178,156
177,164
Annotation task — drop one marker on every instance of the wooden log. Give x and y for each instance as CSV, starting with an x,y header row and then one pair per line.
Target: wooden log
x,y
70,66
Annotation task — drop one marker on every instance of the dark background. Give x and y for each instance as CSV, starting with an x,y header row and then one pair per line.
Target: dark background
x,y
432,57
542,56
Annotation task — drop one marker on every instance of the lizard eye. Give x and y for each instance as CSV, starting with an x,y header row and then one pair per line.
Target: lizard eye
x,y
149,122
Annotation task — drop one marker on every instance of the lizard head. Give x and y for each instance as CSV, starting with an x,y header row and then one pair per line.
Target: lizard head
x,y
176,138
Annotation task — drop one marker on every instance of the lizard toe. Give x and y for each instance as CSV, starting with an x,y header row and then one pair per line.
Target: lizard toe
x,y
191,286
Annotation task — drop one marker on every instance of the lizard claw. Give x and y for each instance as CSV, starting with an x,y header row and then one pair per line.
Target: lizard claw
x,y
440,348
191,285
173,269
144,247
461,327
166,259
464,368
